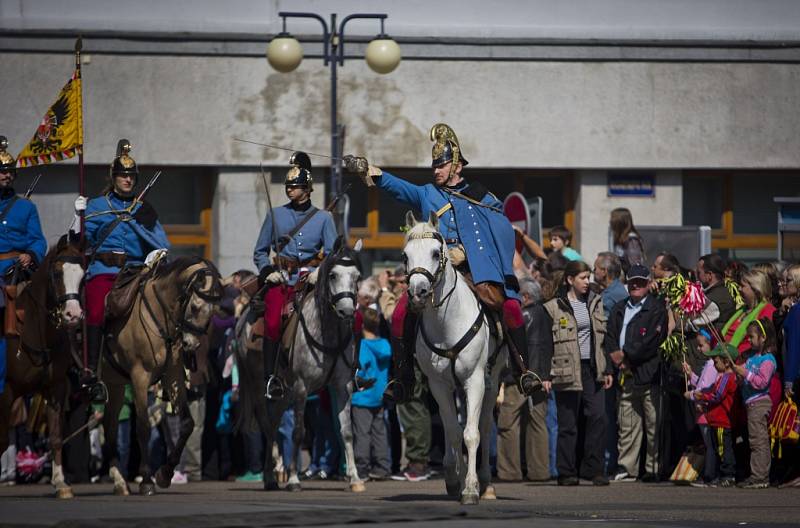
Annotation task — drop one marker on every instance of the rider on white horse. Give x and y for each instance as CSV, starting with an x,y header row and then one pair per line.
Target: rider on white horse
x,y
480,241
300,235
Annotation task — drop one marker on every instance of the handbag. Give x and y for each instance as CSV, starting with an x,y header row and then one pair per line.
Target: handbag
x,y
784,425
688,468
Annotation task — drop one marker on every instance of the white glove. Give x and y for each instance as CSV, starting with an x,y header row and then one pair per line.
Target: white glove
x,y
276,277
80,204
154,256
312,277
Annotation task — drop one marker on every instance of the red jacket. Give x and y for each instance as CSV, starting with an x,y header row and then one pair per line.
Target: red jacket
x,y
720,400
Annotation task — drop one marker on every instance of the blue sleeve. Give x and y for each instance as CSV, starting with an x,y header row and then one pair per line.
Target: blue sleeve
x,y
408,193
155,238
36,241
328,233
791,328
383,352
261,252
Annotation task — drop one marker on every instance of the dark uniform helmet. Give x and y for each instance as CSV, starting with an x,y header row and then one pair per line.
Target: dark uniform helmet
x,y
445,146
300,173
123,163
7,161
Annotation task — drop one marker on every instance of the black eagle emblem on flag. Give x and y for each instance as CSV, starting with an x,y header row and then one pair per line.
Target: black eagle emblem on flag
x,y
47,137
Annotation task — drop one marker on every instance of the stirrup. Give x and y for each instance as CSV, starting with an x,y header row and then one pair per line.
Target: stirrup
x,y
529,383
274,388
96,389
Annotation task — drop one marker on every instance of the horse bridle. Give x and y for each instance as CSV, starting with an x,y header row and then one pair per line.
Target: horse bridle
x,y
210,297
347,262
436,277
61,300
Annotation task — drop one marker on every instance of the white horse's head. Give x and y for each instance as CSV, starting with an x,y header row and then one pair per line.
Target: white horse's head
x,y
337,281
425,255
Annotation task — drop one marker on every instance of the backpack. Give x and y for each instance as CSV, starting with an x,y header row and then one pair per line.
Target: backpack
x,y
784,425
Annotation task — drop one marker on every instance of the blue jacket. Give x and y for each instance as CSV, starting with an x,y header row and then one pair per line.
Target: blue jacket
x,y
791,329
487,235
20,230
128,237
615,293
318,233
375,357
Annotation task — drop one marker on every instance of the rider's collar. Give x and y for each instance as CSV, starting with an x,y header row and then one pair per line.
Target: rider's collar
x,y
460,186
305,206
115,194
6,193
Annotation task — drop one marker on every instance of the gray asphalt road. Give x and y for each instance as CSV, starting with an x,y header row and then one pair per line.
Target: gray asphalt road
x,y
213,504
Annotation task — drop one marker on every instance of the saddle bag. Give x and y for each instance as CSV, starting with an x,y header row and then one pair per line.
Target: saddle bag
x,y
119,301
490,293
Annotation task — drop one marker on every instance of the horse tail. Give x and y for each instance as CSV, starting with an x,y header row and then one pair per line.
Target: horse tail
x,y
251,382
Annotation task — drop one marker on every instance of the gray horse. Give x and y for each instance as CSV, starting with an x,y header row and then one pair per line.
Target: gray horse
x,y
323,353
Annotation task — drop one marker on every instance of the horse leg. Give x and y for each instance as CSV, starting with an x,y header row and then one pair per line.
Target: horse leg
x,y
140,380
6,401
116,397
485,427
453,459
298,434
474,388
55,420
165,472
344,392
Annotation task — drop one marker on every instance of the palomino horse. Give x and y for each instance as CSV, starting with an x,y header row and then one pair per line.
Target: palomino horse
x,y
155,342
38,360
323,352
454,347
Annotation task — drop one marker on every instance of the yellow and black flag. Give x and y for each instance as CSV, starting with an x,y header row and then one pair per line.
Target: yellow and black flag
x,y
60,133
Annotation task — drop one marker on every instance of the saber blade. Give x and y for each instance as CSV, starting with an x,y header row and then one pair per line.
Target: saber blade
x,y
287,149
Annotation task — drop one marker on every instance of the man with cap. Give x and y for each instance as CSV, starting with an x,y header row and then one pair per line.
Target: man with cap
x,y
21,240
120,231
300,236
636,328
480,240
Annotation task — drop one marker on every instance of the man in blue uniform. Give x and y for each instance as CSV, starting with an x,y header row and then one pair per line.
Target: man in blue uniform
x,y
120,231
300,236
21,240
480,241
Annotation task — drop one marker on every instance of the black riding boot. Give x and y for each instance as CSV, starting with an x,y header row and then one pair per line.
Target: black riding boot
x,y
401,387
274,387
528,381
89,380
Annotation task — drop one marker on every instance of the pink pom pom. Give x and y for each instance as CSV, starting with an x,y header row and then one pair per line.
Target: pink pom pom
x,y
694,299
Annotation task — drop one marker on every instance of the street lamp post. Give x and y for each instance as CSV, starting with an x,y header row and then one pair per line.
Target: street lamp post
x,y
285,53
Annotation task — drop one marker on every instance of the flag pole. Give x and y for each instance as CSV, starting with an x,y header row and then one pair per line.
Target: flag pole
x,y
82,192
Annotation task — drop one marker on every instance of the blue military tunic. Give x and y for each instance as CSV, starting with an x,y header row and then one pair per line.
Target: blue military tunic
x,y
128,237
318,233
487,235
20,231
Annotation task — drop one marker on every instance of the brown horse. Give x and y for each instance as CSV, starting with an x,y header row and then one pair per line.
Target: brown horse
x,y
156,341
38,360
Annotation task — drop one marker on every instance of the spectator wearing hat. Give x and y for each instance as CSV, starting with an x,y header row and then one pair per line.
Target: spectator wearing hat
x,y
636,328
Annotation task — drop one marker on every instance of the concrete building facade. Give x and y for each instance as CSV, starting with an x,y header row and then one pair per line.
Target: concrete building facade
x,y
700,98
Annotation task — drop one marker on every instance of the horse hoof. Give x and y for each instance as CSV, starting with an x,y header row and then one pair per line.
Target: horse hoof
x,y
470,499
453,489
271,486
164,477
358,487
122,491
293,487
147,489
489,493
64,493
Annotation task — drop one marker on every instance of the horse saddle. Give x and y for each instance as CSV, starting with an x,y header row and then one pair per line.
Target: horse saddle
x,y
289,324
14,317
119,301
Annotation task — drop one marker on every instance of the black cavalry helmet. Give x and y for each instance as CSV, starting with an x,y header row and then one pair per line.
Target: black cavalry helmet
x,y
123,163
300,173
446,147
7,161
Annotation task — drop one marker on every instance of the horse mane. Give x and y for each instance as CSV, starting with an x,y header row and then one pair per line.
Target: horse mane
x,y
179,264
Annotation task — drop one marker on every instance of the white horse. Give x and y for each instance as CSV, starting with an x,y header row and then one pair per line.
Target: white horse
x,y
323,353
454,347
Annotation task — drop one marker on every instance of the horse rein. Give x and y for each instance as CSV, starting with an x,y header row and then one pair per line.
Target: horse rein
x,y
433,278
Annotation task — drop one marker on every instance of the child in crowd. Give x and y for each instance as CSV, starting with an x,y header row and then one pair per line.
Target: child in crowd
x,y
756,376
560,239
716,402
705,381
369,427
